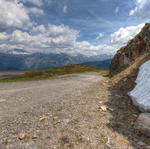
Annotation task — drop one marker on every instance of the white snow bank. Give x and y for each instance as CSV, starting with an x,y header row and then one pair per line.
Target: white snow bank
x,y
140,95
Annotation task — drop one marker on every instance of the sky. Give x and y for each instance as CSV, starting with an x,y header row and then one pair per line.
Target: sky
x,y
89,27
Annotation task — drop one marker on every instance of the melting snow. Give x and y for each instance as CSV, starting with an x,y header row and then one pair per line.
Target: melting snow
x,y
140,95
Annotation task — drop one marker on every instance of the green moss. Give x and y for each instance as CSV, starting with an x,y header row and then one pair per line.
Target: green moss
x,y
108,124
147,24
5,142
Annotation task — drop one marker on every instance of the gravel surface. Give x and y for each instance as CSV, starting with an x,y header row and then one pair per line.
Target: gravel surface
x,y
79,111
23,96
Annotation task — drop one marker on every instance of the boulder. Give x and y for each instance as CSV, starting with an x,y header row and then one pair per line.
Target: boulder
x,y
140,95
143,123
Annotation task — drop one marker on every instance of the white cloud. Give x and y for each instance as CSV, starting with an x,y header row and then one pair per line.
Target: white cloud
x,y
3,36
100,35
65,9
39,29
35,11
142,9
51,39
87,48
123,35
13,14
62,38
42,39
117,10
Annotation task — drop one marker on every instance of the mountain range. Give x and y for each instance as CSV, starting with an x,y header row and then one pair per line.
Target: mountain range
x,y
100,64
19,59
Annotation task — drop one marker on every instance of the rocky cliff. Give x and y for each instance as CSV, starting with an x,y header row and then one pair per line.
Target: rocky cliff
x,y
136,47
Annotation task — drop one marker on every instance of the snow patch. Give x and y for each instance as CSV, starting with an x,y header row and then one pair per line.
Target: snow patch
x,y
140,95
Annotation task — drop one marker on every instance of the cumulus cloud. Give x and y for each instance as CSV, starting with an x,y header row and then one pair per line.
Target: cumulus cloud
x,y
13,14
100,35
3,36
86,47
120,38
123,35
52,38
61,38
39,29
142,9
42,39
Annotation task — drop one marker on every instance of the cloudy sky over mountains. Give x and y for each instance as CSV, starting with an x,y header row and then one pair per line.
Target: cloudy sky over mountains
x,y
84,26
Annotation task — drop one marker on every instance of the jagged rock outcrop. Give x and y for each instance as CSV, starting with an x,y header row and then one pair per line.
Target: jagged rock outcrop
x,y
128,54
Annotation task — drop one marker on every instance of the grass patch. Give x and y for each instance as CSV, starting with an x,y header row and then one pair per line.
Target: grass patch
x,y
5,142
56,71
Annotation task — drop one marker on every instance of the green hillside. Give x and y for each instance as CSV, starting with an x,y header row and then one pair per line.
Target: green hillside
x,y
54,72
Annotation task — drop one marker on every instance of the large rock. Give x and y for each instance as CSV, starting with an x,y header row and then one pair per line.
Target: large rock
x,y
140,95
143,123
135,48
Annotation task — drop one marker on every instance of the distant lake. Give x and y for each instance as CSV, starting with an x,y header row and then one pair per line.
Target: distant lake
x,y
9,74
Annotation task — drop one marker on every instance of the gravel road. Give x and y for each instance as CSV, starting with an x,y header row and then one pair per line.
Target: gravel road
x,y
78,111
17,97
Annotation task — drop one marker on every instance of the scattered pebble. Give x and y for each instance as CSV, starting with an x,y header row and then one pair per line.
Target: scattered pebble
x,y
104,108
55,118
2,100
43,119
66,121
125,79
34,136
46,124
21,136
141,143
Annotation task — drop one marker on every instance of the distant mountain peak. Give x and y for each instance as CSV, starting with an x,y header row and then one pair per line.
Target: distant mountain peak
x,y
22,60
18,52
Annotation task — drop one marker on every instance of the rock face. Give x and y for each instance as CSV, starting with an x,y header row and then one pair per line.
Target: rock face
x,y
143,123
135,48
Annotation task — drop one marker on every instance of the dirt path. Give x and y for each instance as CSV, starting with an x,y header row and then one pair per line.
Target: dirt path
x,y
22,96
78,111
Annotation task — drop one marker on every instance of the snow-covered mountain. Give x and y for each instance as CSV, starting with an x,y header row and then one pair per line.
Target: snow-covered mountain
x,y
18,52
21,60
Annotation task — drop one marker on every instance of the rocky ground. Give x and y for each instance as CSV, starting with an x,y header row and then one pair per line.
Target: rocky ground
x,y
83,111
